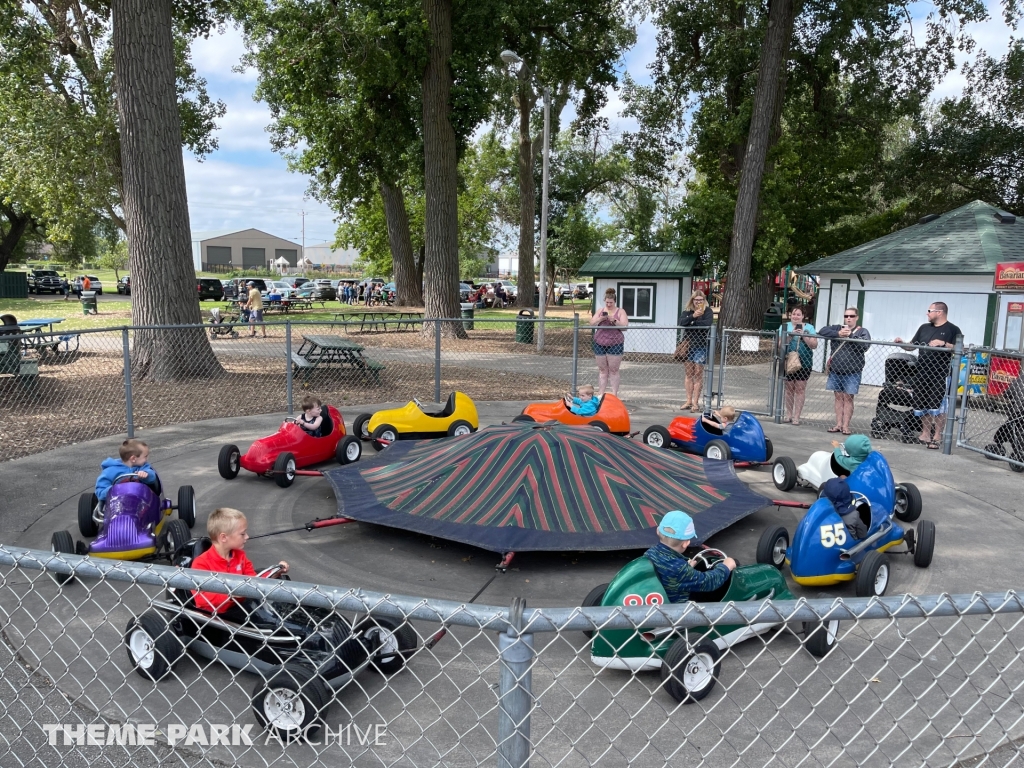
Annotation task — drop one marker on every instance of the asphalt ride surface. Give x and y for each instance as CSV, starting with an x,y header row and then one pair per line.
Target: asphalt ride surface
x,y
976,505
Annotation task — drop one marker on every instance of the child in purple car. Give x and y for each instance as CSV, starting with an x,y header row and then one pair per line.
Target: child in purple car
x,y
134,459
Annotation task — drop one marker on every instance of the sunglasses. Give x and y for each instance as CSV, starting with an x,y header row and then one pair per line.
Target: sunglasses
x,y
849,315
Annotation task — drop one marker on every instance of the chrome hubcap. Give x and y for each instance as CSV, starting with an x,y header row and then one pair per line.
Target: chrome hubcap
x,y
284,709
714,453
881,580
779,550
779,473
654,440
460,431
141,646
697,672
352,452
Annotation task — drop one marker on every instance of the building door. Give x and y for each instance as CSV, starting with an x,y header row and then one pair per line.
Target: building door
x,y
254,258
838,301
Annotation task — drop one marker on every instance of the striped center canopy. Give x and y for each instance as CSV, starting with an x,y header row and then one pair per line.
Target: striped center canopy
x,y
522,487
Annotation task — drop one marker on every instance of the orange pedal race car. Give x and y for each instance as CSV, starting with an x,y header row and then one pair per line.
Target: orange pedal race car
x,y
611,415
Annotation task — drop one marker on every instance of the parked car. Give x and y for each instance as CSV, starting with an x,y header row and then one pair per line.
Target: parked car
x,y
230,289
94,283
294,281
322,290
464,290
583,290
261,285
43,281
281,288
124,285
209,288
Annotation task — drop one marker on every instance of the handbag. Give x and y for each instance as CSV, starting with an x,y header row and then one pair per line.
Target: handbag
x,y
682,348
793,363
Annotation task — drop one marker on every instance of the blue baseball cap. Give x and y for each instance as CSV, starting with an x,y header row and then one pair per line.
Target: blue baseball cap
x,y
677,525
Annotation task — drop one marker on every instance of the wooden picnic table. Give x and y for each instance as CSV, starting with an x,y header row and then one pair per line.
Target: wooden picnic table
x,y
325,350
380,320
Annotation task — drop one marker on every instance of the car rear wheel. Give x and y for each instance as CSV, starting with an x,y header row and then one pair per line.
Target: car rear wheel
x,y
176,536
717,449
460,429
187,505
349,450
819,639
908,504
384,432
771,549
873,575
784,473
284,469
687,675
153,648
657,437
592,600
924,548
229,462
390,641
291,703
361,426
769,449
62,543
523,418
86,507
600,425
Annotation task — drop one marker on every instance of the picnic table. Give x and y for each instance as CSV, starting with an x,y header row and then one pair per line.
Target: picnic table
x,y
319,351
49,339
380,320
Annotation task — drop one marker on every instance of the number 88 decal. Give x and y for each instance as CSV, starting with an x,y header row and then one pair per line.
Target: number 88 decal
x,y
833,535
635,601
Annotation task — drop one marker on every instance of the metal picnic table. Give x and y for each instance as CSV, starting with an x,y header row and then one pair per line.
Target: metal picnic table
x,y
325,350
42,340
381,320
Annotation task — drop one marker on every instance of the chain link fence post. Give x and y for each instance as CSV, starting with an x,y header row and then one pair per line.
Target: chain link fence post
x,y
780,380
126,354
515,690
437,360
773,373
575,349
962,429
288,375
954,380
721,367
709,369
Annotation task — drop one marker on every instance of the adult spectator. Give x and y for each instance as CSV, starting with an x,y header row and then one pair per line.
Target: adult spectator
x,y
802,343
86,283
697,317
845,365
500,297
64,287
932,371
255,307
609,343
78,287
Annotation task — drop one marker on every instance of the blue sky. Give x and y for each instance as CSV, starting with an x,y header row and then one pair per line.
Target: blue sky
x,y
245,184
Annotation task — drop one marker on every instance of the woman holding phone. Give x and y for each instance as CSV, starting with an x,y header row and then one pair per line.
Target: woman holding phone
x,y
796,382
609,343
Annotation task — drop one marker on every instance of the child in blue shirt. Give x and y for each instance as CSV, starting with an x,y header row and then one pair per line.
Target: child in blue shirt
x,y
675,572
585,404
134,458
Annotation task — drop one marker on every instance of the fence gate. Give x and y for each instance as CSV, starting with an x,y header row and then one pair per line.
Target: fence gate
x,y
747,361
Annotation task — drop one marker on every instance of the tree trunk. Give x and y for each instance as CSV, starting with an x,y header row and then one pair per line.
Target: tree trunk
x,y
527,194
766,111
407,283
751,304
155,202
18,224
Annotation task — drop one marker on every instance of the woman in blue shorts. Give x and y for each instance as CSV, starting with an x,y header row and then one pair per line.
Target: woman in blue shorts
x,y
609,343
697,317
845,364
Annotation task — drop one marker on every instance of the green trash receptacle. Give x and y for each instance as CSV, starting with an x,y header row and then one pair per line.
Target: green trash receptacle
x,y
467,316
89,303
772,318
524,327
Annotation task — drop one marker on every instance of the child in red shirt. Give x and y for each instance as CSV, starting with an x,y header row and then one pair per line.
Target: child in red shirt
x,y
228,530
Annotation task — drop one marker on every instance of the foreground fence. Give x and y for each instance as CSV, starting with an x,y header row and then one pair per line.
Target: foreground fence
x,y
909,681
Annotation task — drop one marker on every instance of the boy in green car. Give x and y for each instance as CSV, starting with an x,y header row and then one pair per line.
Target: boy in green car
x,y
675,571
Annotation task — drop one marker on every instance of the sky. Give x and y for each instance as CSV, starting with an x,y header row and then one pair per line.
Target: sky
x,y
245,184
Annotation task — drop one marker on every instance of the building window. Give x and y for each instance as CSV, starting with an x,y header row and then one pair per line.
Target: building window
x,y
637,301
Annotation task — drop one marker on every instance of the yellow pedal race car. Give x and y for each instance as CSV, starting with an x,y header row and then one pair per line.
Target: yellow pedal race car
x,y
413,422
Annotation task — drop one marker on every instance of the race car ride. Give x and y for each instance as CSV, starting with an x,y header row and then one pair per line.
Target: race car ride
x,y
742,441
283,454
823,552
303,655
689,659
611,415
414,422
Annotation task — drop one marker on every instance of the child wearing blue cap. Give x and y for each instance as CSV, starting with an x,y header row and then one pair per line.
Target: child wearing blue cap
x,y
675,571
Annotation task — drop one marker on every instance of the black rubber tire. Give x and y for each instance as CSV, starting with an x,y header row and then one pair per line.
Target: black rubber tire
x,y
86,525
63,543
359,426
769,449
349,450
379,432
176,536
522,417
819,639
996,449
600,425
675,663
768,552
229,462
187,505
284,469
718,446
166,647
307,690
924,547
869,574
404,638
908,504
784,473
460,428
593,599
657,437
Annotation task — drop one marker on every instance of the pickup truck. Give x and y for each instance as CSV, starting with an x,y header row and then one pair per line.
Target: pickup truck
x,y
43,281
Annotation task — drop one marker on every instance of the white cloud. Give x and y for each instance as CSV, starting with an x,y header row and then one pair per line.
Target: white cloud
x,y
216,56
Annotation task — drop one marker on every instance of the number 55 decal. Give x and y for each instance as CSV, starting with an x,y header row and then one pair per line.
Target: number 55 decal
x,y
833,535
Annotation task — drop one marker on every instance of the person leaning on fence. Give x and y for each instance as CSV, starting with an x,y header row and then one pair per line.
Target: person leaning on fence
x,y
845,365
931,374
609,343
675,572
696,319
799,359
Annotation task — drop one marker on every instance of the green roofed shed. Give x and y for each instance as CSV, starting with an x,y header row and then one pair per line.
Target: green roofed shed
x,y
636,263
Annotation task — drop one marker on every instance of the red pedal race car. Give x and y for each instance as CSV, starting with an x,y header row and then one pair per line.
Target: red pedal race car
x,y
611,415
283,454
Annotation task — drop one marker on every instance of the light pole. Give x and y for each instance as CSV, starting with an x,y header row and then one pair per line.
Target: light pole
x,y
514,63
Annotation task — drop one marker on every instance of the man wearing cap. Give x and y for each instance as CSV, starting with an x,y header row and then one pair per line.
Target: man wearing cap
x,y
677,574
255,306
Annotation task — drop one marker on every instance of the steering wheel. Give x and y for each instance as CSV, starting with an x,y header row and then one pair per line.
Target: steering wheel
x,y
130,477
272,572
709,558
418,403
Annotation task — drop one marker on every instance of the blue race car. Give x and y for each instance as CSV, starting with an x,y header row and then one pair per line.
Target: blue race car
x,y
823,552
742,441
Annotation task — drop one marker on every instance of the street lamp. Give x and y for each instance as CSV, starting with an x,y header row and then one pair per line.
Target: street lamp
x,y
514,63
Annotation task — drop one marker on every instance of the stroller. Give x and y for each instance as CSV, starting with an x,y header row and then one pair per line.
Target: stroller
x,y
1012,430
895,410
222,326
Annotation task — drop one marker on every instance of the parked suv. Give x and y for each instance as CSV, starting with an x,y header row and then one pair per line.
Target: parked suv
x,y
94,283
43,281
209,288
124,285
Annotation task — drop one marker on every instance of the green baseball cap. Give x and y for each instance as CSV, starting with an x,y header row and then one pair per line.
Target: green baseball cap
x,y
852,453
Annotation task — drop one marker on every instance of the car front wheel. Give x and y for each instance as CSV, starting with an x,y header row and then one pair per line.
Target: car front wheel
x,y
819,639
771,549
291,703
348,450
718,450
284,469
153,648
62,543
657,437
86,508
784,473
229,462
873,575
688,675
360,427
187,505
460,429
386,433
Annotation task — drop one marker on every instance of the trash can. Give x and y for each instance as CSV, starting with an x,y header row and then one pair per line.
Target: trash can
x,y
467,316
772,318
560,301
89,303
524,328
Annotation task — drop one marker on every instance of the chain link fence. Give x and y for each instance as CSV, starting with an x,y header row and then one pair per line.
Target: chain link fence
x,y
114,664
992,405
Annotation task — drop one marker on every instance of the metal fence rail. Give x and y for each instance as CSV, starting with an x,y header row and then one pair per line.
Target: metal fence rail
x,y
992,405
917,681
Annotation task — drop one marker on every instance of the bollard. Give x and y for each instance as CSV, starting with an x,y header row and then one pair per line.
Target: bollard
x,y
515,691
289,373
575,349
126,356
709,369
954,380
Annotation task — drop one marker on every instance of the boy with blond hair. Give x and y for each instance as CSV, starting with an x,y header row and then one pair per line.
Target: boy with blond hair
x,y
584,404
